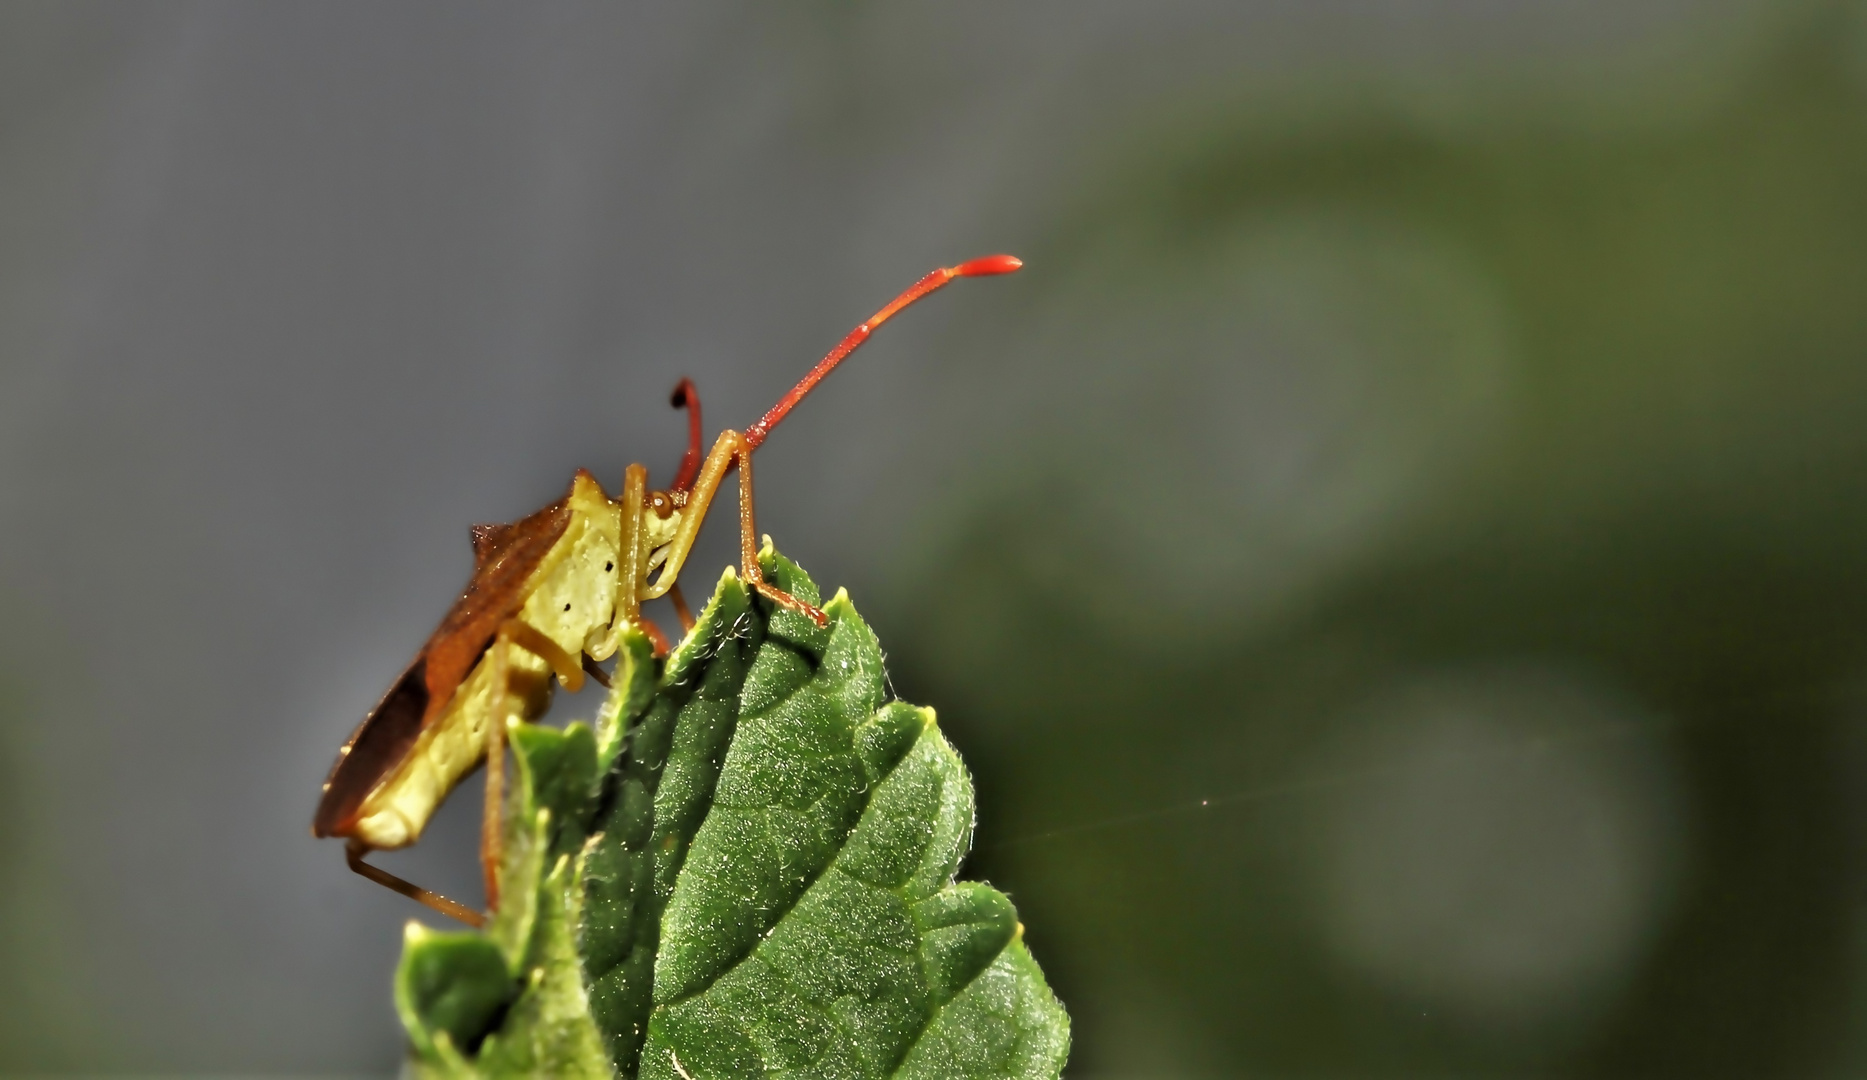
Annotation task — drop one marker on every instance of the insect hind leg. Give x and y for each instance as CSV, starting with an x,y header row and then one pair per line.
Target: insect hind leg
x,y
453,909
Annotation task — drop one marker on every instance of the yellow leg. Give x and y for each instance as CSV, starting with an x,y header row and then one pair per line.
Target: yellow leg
x,y
631,559
569,668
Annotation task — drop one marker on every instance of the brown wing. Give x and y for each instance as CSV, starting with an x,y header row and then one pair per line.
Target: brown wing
x,y
504,558
378,745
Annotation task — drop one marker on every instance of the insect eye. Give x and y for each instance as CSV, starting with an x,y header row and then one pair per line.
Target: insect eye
x,y
659,502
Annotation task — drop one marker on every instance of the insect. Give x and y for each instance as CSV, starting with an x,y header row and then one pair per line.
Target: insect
x,y
550,595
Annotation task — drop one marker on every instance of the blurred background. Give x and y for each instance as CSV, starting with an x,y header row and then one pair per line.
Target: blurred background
x,y
1393,561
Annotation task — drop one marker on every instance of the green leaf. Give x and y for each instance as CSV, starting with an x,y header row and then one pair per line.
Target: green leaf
x,y
448,989
523,973
745,870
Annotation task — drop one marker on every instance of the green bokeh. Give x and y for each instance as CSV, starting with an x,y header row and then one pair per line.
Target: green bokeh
x,y
1655,498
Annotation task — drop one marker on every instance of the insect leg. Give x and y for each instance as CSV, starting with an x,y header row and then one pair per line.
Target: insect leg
x,y
533,640
748,546
631,560
632,555
729,450
680,607
492,815
699,501
591,669
353,854
513,634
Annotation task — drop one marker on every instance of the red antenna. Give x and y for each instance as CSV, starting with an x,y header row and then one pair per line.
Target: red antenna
x,y
686,397
990,264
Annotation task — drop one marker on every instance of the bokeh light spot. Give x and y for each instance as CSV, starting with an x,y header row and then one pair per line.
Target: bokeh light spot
x,y
1511,849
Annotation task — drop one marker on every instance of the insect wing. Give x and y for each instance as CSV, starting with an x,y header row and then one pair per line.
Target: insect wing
x,y
504,558
378,746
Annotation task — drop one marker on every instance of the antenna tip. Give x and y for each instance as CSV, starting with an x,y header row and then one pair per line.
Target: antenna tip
x,y
990,264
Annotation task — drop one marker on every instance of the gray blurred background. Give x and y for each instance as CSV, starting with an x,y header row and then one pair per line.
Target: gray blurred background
x,y
1394,560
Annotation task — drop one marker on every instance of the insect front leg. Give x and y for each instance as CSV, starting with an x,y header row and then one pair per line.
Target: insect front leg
x,y
729,450
748,545
631,556
632,565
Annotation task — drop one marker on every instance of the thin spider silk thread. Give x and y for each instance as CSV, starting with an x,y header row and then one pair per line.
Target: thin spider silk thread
x,y
1326,781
